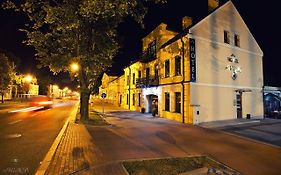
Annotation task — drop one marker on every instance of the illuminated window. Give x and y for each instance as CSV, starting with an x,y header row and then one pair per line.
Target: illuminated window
x,y
134,102
139,99
167,101
134,77
237,40
178,102
226,37
156,70
167,68
177,65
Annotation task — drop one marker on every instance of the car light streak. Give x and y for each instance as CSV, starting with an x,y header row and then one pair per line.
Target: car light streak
x,y
27,109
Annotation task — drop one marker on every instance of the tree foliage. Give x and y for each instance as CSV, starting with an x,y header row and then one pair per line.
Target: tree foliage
x,y
7,74
83,31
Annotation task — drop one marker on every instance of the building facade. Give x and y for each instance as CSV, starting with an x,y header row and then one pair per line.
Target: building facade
x,y
210,71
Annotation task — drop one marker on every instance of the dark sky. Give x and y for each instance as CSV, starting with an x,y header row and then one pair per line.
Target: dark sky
x,y
261,18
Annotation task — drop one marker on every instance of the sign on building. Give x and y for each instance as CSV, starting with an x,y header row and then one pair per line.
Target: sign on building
x,y
192,59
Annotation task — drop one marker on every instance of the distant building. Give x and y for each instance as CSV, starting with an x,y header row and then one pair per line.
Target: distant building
x,y
210,71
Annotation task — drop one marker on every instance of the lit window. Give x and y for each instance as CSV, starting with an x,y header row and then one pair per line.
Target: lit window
x,y
167,101
178,102
226,37
167,68
237,40
156,70
177,65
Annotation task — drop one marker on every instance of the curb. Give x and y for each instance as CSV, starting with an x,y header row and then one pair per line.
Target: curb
x,y
48,157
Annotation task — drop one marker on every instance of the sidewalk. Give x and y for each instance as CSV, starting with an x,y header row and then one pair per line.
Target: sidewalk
x,y
77,154
99,150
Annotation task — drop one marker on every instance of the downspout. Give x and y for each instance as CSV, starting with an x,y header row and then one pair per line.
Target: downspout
x,y
182,82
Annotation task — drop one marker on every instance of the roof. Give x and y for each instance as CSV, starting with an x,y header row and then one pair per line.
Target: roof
x,y
186,30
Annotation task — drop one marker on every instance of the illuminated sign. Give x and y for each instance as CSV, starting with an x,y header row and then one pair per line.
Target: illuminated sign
x,y
192,59
233,67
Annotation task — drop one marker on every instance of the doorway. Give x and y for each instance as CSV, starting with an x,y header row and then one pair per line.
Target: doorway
x,y
239,104
152,103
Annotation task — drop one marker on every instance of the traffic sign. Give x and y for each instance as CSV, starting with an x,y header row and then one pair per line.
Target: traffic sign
x,y
103,95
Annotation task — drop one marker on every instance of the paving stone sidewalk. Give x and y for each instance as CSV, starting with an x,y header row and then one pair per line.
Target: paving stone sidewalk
x,y
76,154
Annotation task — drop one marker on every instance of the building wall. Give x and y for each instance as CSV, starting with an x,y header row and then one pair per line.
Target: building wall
x,y
213,95
214,89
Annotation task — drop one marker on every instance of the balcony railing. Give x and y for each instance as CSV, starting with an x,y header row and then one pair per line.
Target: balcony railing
x,y
147,82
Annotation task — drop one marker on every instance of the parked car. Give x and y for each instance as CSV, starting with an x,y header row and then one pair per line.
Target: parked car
x,y
41,101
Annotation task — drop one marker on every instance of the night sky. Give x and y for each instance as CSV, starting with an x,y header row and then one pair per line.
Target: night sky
x,y
261,18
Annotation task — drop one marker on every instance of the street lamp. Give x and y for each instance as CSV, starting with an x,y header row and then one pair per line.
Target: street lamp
x,y
28,78
74,67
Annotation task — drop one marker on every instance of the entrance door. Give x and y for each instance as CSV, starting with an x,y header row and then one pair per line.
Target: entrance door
x,y
239,104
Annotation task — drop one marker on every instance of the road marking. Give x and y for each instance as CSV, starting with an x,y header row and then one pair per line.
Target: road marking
x,y
14,122
11,136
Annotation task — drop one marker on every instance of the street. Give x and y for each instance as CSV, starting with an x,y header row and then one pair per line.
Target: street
x,y
25,137
138,136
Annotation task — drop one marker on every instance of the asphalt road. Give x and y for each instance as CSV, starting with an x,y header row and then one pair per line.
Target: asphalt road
x,y
266,131
25,137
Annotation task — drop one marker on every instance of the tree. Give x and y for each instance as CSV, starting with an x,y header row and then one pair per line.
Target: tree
x,y
6,74
81,31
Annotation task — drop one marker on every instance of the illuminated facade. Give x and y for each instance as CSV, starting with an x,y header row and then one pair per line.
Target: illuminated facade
x,y
210,71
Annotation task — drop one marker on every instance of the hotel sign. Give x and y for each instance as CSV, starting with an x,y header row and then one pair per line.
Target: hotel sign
x,y
192,59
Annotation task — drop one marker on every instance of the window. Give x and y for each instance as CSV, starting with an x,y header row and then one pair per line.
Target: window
x,y
128,80
147,73
178,102
134,101
177,65
134,77
127,99
139,99
226,37
156,70
167,101
237,40
120,100
167,68
139,74
152,49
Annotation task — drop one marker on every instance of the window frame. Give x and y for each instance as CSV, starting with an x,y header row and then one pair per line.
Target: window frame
x,y
226,37
236,40
178,102
167,101
177,66
167,68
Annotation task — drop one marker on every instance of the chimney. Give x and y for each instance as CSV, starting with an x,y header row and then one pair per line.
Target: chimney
x,y
212,4
186,22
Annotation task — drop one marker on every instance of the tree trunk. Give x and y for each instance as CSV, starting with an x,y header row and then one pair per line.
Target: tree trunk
x,y
84,105
2,97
